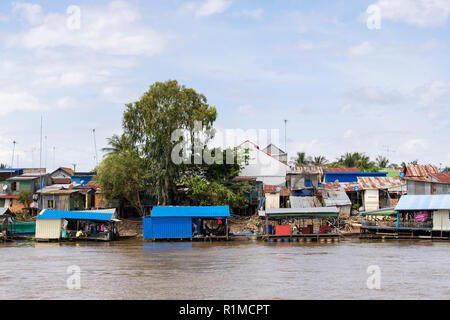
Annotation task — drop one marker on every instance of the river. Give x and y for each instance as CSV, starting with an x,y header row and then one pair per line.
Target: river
x,y
235,270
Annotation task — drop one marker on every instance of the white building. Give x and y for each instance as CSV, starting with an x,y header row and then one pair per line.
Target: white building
x,y
263,166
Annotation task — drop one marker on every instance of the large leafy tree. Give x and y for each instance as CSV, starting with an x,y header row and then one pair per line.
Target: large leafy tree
x,y
122,176
212,184
149,123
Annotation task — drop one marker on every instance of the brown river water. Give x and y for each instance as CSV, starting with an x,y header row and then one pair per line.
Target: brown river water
x,y
236,270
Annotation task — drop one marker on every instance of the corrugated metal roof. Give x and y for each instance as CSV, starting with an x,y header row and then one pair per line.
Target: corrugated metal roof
x,y
424,202
380,182
347,186
62,191
317,210
74,215
24,178
284,192
304,202
442,177
195,212
333,198
308,169
420,170
3,211
342,170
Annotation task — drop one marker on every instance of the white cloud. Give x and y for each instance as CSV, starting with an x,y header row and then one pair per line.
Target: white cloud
x,y
252,14
114,29
362,49
247,110
17,101
414,144
348,134
32,13
432,92
376,95
206,8
309,45
422,13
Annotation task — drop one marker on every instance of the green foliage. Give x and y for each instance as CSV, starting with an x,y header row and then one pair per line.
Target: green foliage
x,y
213,193
123,177
25,198
3,166
301,160
117,145
357,160
150,122
382,162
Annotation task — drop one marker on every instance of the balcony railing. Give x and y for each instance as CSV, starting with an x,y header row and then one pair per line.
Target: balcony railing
x,y
393,224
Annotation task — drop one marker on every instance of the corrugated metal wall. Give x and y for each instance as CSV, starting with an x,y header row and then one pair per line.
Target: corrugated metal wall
x,y
441,220
371,200
48,229
163,228
272,200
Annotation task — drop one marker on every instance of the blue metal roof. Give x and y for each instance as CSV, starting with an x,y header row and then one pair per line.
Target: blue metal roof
x,y
351,176
424,202
74,215
194,212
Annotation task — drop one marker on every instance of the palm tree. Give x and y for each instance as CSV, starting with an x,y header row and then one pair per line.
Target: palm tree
x,y
117,145
382,162
301,159
319,161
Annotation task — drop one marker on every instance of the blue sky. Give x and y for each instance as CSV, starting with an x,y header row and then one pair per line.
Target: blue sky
x,y
342,86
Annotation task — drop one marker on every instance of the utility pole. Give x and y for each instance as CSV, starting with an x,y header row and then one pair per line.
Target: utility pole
x,y
40,172
95,147
285,135
54,157
14,149
388,151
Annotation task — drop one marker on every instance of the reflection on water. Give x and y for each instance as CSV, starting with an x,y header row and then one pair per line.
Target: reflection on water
x,y
239,270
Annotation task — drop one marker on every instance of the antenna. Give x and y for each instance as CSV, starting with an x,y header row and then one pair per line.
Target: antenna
x,y
14,149
285,135
388,151
95,147
54,157
45,153
40,166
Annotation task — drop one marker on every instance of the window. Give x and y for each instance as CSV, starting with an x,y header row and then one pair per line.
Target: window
x,y
15,186
51,204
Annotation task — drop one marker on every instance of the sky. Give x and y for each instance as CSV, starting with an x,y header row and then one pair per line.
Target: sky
x,y
368,76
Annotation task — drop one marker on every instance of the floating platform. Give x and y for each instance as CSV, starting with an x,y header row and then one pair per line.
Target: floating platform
x,y
301,237
194,239
405,234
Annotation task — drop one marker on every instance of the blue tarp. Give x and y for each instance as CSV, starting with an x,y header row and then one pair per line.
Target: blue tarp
x,y
193,212
424,202
74,215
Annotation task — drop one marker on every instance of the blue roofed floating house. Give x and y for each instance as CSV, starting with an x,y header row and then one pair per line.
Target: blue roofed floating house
x,y
187,223
81,225
415,216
